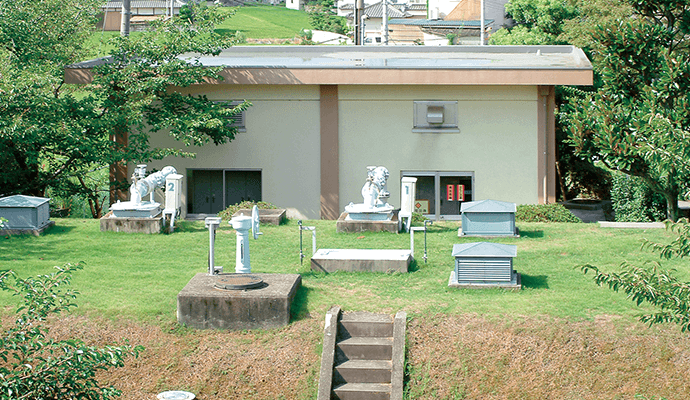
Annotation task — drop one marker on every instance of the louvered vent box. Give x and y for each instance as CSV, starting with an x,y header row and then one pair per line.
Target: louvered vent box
x,y
25,212
484,264
488,218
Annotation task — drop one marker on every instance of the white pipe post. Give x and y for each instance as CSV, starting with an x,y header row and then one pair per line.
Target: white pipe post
x,y
242,225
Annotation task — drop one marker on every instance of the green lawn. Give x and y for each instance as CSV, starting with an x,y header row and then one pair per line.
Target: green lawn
x,y
256,22
138,276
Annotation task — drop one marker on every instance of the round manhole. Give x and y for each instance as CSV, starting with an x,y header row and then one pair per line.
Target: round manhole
x,y
175,395
238,282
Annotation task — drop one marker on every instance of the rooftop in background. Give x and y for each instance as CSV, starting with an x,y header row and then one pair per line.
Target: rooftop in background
x,y
144,4
438,65
440,23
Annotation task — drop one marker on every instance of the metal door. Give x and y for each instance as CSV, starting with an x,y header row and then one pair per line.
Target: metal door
x,y
208,191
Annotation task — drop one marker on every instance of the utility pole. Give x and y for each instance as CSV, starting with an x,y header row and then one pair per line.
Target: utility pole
x,y
359,23
482,27
384,23
125,14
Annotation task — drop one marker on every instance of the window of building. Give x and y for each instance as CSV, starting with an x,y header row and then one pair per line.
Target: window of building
x,y
439,193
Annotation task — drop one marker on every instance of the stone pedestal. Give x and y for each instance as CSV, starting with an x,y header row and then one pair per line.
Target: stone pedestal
x,y
346,225
132,225
200,305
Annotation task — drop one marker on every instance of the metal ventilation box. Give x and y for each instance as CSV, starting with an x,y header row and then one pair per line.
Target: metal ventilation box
x,y
25,212
488,218
484,264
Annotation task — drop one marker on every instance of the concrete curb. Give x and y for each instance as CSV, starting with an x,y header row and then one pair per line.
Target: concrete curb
x,y
330,332
398,356
633,225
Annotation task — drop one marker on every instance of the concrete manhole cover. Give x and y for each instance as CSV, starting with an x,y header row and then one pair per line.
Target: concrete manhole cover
x,y
175,395
238,282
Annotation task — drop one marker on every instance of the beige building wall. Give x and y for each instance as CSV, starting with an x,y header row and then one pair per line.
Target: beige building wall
x,y
281,139
497,139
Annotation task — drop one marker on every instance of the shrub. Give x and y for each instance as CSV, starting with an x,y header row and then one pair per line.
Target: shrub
x,y
544,213
227,213
36,367
633,201
240,37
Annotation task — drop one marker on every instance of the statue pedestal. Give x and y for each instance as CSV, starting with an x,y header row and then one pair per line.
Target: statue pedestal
x,y
345,224
132,224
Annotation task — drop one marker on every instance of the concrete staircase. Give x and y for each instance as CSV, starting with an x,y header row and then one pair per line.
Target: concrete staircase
x,y
363,356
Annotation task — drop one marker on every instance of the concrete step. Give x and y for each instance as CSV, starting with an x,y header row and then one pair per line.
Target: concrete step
x,y
362,391
365,325
363,371
364,348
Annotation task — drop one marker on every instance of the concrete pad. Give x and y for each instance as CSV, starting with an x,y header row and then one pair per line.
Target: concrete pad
x,y
347,225
200,305
633,225
132,224
514,284
358,260
515,235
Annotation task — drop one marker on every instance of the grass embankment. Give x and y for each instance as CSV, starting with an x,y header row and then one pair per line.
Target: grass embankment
x,y
559,337
255,22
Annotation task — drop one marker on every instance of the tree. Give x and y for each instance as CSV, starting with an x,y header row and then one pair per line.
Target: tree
x,y
653,285
323,17
539,22
56,133
638,121
35,366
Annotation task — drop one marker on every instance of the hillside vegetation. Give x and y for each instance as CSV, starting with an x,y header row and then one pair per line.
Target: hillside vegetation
x,y
254,22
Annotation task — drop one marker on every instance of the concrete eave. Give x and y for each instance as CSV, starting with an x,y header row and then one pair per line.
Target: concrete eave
x,y
279,76
394,65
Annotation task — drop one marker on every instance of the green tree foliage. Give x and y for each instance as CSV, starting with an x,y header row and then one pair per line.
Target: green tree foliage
x,y
638,121
35,366
633,201
653,285
53,133
538,22
324,17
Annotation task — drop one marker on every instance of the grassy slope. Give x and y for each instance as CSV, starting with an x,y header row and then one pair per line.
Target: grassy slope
x,y
256,22
560,337
261,22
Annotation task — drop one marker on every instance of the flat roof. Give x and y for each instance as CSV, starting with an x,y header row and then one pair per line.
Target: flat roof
x,y
399,65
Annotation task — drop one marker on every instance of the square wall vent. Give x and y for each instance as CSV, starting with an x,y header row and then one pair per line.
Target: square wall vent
x,y
435,116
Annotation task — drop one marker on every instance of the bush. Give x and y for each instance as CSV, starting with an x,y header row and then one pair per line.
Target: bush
x,y
240,37
227,213
36,367
633,201
544,213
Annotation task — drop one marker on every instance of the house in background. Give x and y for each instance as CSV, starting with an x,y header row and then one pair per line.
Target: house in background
x,y
412,23
373,29
469,122
143,11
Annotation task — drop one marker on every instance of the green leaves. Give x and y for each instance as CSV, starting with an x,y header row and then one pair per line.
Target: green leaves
x,y
36,367
638,122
